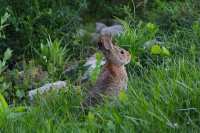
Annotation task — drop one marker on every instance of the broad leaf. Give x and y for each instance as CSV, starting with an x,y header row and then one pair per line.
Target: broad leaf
x,y
156,49
165,51
3,103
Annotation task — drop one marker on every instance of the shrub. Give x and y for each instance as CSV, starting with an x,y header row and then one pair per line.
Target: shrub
x,y
52,56
3,24
174,14
3,84
136,38
31,21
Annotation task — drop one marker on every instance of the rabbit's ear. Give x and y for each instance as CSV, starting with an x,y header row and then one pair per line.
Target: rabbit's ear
x,y
106,42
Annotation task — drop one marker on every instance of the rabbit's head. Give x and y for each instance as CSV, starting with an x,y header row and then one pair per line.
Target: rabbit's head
x,y
113,53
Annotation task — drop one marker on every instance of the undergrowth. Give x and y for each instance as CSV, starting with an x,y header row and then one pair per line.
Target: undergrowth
x,y
43,39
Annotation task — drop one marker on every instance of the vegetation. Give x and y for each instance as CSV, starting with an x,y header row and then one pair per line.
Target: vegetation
x,y
40,39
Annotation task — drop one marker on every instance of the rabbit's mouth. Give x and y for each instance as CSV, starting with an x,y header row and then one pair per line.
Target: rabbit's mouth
x,y
128,60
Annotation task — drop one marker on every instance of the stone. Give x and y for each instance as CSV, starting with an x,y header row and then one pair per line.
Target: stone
x,y
46,88
113,30
100,26
148,44
94,38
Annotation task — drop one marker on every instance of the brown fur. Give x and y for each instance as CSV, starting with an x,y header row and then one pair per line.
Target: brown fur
x,y
113,76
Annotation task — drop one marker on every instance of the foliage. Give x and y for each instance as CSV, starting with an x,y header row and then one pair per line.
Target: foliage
x,y
52,56
141,40
158,50
135,37
152,105
104,9
174,14
7,113
96,71
39,19
23,78
6,57
3,25
3,84
52,52
196,28
46,37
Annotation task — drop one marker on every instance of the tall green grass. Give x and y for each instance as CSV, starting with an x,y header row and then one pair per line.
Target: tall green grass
x,y
164,99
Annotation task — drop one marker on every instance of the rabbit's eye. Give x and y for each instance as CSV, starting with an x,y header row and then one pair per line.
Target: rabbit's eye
x,y
122,52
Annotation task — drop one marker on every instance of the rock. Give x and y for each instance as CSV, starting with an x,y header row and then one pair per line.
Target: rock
x,y
150,43
102,29
47,87
100,26
113,30
110,21
94,38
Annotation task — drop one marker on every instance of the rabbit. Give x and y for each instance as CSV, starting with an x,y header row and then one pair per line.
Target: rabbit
x,y
113,76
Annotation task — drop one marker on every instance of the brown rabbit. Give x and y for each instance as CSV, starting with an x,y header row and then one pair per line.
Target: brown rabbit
x,y
113,76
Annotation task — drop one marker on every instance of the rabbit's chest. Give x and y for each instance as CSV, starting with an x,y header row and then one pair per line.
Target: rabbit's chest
x,y
111,81
119,82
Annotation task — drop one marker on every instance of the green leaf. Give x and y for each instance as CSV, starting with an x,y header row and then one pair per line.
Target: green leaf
x,y
91,117
4,18
151,27
19,109
20,93
3,103
165,51
7,54
156,49
110,125
122,96
117,117
99,57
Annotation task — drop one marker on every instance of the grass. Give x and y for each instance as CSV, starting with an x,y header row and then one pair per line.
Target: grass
x,y
164,99
163,91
